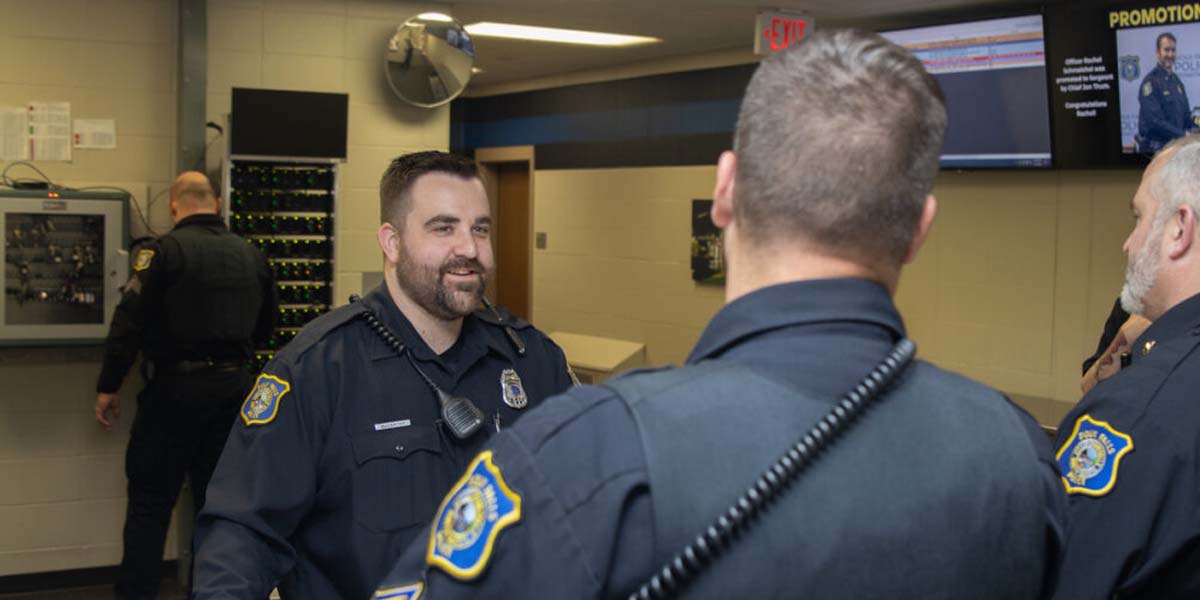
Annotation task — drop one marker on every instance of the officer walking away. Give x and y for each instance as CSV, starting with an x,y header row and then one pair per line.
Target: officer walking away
x,y
199,301
942,489
1128,451
356,429
1164,111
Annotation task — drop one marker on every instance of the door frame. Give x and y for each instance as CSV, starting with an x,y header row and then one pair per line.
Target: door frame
x,y
488,160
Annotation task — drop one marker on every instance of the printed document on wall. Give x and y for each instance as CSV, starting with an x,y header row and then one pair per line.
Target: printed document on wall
x,y
14,133
50,128
95,133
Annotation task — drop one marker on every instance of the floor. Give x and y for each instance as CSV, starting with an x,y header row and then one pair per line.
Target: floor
x,y
169,591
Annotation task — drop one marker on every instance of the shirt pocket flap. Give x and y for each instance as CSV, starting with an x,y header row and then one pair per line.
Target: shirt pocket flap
x,y
395,443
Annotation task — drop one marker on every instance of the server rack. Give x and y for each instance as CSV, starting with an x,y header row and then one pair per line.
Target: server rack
x,y
286,207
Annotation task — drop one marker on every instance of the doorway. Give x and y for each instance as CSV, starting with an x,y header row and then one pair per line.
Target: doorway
x,y
508,176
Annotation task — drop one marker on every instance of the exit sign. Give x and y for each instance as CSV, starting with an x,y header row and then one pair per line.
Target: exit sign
x,y
774,31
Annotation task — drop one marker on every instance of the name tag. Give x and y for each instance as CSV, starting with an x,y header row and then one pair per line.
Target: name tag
x,y
392,425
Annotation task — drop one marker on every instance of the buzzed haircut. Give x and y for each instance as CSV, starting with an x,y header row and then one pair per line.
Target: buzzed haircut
x,y
396,185
1165,35
194,191
837,143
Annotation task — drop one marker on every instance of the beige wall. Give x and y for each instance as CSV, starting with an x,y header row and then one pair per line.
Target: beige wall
x,y
1012,288
62,485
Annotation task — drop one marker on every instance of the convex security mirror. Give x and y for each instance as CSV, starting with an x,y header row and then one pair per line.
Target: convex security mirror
x,y
428,60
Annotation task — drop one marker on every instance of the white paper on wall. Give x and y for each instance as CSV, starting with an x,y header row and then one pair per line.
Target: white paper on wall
x,y
95,133
14,133
50,130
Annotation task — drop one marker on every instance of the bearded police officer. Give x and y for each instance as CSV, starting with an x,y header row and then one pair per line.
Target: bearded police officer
x,y
199,302
942,490
1129,450
357,428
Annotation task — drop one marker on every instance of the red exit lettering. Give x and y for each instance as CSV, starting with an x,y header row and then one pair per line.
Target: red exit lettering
x,y
784,32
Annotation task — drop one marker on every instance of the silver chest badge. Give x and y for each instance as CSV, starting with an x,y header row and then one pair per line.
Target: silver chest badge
x,y
514,392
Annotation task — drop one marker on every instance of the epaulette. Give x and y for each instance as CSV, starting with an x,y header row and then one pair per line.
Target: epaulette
x,y
500,316
320,327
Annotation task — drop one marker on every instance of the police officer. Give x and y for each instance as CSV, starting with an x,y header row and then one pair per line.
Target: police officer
x,y
1164,112
943,489
199,300
1128,451
348,441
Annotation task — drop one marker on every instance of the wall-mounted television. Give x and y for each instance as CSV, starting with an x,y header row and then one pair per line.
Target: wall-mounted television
x,y
993,74
286,123
1125,79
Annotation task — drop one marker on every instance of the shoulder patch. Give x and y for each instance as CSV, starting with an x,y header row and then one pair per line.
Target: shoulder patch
x,y
1147,88
142,261
1089,460
262,404
466,525
404,592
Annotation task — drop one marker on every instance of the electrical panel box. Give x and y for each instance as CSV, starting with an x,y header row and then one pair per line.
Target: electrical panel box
x,y
65,259
285,207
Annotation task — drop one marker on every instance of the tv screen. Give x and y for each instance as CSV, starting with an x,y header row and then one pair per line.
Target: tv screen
x,y
1125,79
993,74
282,123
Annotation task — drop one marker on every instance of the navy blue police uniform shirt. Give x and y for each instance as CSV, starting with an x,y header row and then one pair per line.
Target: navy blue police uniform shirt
x,y
1130,455
1164,112
586,524
339,459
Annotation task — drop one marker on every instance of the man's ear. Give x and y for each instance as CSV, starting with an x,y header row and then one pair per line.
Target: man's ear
x,y
389,241
722,208
924,223
1180,236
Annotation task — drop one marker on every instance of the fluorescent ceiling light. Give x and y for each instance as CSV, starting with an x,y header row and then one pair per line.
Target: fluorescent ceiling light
x,y
435,16
560,36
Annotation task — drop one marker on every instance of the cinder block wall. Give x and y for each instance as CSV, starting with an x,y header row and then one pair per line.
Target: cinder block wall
x,y
62,483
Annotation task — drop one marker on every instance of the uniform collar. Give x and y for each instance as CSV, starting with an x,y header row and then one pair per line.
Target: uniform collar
x,y
798,303
1182,319
200,219
475,344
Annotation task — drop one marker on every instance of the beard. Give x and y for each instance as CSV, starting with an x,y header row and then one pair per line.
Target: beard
x,y
427,287
1141,273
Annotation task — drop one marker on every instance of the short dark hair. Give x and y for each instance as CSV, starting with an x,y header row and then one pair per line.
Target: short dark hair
x,y
1158,40
838,141
397,181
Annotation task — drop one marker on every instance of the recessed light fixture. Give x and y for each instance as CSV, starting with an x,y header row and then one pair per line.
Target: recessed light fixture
x,y
435,16
559,36
476,70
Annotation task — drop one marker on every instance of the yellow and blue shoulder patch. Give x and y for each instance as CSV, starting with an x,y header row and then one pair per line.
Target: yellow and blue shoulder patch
x,y
262,404
473,514
1089,460
404,592
142,261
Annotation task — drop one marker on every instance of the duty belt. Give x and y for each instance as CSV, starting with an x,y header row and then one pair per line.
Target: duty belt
x,y
184,367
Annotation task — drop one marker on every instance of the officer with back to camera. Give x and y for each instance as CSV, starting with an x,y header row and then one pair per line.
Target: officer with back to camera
x,y
1130,450
943,489
199,301
343,449
1164,112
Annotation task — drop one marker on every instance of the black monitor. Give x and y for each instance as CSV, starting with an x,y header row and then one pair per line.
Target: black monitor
x,y
993,74
283,123
1118,93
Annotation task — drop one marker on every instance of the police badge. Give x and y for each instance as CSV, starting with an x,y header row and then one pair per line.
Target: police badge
x,y
473,514
262,404
1089,459
514,392
1131,67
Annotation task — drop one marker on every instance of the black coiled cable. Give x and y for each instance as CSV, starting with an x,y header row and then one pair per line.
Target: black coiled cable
x,y
680,571
458,413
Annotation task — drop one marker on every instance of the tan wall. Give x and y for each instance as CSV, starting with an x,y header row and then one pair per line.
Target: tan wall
x,y
62,485
1012,288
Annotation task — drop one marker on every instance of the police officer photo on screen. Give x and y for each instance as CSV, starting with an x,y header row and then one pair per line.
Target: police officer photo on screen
x,y
1164,112
199,301
1128,451
359,426
916,483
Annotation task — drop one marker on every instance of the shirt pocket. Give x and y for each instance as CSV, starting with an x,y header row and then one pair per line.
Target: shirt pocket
x,y
399,477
